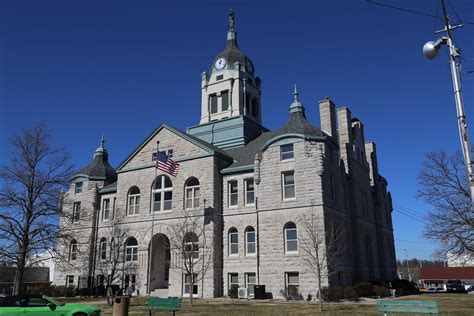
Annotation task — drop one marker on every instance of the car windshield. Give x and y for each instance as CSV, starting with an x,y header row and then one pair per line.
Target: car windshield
x,y
52,300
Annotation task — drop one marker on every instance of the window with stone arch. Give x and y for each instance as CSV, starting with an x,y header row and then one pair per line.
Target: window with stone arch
x,y
291,238
233,242
73,250
133,201
162,194
191,246
250,241
191,193
131,250
103,248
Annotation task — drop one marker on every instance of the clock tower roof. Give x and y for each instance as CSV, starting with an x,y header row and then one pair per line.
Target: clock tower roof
x,y
232,53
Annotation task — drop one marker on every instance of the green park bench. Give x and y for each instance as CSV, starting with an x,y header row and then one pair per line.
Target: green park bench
x,y
167,305
414,307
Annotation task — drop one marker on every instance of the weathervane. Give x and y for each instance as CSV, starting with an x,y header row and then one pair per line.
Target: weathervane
x,y
231,20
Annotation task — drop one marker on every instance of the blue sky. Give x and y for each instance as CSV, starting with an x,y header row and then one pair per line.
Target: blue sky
x,y
120,68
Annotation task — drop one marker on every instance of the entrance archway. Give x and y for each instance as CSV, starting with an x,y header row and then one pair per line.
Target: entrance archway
x,y
160,262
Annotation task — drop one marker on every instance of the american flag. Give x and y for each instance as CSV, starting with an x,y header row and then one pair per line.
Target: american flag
x,y
166,164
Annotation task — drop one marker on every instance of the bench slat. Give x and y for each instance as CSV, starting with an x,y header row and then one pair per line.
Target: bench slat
x,y
408,303
409,310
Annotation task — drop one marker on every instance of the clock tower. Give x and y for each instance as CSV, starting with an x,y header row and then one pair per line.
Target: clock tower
x,y
230,102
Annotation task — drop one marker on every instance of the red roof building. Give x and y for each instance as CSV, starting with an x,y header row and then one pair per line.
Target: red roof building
x,y
438,276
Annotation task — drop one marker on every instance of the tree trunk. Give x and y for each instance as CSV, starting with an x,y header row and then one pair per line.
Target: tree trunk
x,y
319,292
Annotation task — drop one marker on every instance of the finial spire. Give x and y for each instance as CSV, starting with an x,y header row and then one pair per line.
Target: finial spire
x,y
295,94
296,106
231,21
102,141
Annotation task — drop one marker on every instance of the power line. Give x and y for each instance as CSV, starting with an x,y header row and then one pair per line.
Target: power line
x,y
410,11
410,216
402,9
413,242
412,211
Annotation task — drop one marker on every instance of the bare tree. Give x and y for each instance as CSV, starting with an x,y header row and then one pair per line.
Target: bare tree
x,y
444,185
321,245
194,245
30,198
111,263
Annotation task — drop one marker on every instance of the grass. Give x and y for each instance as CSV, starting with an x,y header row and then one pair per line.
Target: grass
x,y
448,304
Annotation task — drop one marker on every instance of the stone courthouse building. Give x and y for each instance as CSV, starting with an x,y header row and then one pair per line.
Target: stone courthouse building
x,y
252,189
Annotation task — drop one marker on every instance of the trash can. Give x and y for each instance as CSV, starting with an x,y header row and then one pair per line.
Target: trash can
x,y
259,292
120,307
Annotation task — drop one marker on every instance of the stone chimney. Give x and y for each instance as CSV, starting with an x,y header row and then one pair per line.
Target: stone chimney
x,y
327,113
344,118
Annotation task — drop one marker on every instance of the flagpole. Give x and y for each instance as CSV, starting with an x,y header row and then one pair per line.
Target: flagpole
x,y
150,252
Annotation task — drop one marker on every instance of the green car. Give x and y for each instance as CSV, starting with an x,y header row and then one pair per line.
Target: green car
x,y
43,306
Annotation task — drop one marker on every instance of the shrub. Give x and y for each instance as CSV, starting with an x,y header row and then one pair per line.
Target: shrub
x,y
364,289
332,294
350,293
381,291
69,291
309,298
291,293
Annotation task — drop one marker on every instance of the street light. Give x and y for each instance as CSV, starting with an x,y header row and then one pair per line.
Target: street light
x,y
430,50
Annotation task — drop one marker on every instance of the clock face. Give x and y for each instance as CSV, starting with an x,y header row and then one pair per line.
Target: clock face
x,y
249,66
220,63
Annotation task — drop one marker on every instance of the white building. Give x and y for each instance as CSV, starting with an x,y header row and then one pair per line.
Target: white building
x,y
253,188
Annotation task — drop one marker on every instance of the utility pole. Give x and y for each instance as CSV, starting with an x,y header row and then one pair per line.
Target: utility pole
x,y
408,265
430,49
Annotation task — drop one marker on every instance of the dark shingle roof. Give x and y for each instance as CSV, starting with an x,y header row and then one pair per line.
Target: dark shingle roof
x,y
297,124
244,156
98,169
109,188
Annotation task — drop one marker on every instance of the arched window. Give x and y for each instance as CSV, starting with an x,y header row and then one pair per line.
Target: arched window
x,y
133,201
250,241
191,193
73,250
291,238
103,248
233,241
162,194
131,250
191,246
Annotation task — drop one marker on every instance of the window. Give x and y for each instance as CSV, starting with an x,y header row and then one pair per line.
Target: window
x,y
78,187
162,194
100,280
73,251
192,193
131,250
233,282
191,246
133,201
291,238
213,102
168,153
250,282
225,100
233,193
129,280
190,283
249,192
103,249
106,209
254,108
331,179
250,244
76,212
288,179
287,152
292,284
69,280
220,77
233,241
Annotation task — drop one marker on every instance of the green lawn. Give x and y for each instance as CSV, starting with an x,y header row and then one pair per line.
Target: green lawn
x,y
449,304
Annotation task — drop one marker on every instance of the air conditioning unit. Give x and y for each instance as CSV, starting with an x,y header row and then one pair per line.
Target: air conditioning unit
x,y
242,292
